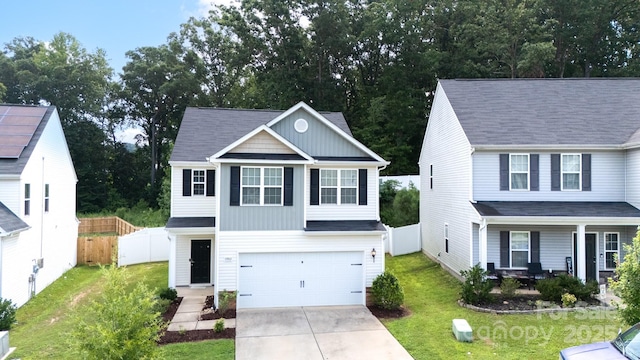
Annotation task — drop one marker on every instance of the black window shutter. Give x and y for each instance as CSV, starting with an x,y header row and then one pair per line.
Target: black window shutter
x,y
535,246
362,187
504,249
315,187
186,182
211,183
504,172
586,172
288,186
555,172
534,172
234,186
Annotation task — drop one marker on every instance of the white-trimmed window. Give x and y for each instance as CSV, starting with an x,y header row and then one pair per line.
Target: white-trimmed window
x,y
198,182
446,237
571,169
338,186
261,185
27,199
519,247
46,197
519,171
611,247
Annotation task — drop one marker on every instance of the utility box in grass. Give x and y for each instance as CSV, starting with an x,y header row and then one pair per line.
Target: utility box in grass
x,y
462,330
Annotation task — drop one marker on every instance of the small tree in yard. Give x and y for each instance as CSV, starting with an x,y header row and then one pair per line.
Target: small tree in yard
x,y
121,324
627,285
7,314
387,292
476,288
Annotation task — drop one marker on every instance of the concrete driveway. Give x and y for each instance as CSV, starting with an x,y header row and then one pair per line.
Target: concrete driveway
x,y
310,333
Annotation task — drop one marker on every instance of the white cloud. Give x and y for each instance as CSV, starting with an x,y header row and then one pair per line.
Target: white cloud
x,y
128,135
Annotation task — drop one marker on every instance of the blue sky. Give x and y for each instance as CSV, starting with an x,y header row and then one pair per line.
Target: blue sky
x,y
116,26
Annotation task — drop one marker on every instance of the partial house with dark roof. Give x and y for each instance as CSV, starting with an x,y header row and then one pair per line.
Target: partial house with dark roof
x,y
520,171
280,206
38,224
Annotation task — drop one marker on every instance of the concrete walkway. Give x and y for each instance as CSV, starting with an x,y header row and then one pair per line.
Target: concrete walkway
x,y
188,315
314,333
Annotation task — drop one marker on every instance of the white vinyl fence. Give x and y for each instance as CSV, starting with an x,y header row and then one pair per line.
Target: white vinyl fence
x,y
403,240
143,246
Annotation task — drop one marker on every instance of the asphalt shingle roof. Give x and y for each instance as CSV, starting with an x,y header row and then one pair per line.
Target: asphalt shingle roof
x,y
556,208
189,222
15,166
205,131
10,222
596,111
345,225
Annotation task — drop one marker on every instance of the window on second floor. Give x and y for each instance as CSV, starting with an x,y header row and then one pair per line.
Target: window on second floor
x,y
519,171
338,186
27,199
571,171
611,247
198,182
261,186
519,247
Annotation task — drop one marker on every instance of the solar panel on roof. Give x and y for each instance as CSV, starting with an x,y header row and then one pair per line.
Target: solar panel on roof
x,y
17,126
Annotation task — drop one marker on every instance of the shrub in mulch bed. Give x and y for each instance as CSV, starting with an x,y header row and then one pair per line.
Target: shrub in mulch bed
x,y
208,304
381,313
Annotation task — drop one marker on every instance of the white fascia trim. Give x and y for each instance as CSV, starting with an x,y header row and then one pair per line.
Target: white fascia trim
x,y
351,163
263,161
191,164
252,134
331,125
338,233
561,220
7,234
9,176
549,147
191,230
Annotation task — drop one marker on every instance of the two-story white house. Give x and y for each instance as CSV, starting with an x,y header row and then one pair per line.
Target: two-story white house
x,y
531,170
38,224
281,206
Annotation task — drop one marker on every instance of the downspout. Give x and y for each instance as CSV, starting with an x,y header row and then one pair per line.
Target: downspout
x,y
42,211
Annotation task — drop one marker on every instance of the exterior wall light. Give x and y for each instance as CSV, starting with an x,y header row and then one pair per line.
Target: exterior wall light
x,y
373,254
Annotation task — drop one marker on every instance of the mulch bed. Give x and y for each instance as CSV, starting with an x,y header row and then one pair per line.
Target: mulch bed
x,y
519,302
170,337
211,315
388,314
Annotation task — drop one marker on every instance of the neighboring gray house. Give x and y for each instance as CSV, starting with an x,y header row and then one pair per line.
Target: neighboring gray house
x,y
531,170
38,224
281,206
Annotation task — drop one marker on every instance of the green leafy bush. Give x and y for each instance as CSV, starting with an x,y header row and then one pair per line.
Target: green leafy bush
x,y
509,286
568,300
224,300
123,323
552,289
168,294
476,288
7,314
627,285
218,326
387,292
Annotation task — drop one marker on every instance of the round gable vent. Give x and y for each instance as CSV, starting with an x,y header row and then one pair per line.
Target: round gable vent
x,y
301,125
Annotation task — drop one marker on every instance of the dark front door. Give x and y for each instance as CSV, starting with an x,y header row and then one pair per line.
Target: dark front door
x,y
200,261
589,254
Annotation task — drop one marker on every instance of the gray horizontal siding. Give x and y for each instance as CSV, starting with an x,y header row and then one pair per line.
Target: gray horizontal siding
x,y
607,179
318,140
248,218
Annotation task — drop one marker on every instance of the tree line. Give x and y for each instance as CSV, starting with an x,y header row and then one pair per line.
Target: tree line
x,y
377,61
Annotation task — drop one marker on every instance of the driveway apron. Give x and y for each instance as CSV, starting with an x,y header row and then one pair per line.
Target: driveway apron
x,y
310,333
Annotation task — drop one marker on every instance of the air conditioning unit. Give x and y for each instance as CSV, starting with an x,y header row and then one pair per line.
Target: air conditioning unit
x,y
40,263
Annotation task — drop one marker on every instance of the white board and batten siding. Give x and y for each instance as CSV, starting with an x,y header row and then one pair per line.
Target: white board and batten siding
x,y
231,244
632,175
447,149
345,212
194,205
607,178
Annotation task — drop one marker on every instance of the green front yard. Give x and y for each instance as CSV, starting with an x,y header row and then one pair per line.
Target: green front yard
x,y
430,295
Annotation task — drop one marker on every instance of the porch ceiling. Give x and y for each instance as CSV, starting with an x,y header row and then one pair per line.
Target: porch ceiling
x,y
191,222
569,209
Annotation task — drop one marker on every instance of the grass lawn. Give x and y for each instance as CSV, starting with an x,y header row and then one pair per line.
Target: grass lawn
x,y
431,294
45,321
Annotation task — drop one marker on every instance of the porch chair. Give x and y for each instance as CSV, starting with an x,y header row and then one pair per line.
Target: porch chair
x,y
493,276
534,272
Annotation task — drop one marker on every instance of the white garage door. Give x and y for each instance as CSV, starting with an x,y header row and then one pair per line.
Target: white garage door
x,y
300,279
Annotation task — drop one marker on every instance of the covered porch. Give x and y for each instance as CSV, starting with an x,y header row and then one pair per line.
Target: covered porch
x,y
576,238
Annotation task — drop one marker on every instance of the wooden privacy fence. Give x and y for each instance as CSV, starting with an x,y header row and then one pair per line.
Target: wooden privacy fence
x,y
98,238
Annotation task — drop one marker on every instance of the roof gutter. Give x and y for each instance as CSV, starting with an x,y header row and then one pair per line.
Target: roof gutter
x,y
560,220
549,147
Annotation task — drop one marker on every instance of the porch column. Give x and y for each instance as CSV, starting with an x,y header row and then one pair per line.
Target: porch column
x,y
580,253
482,256
173,241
